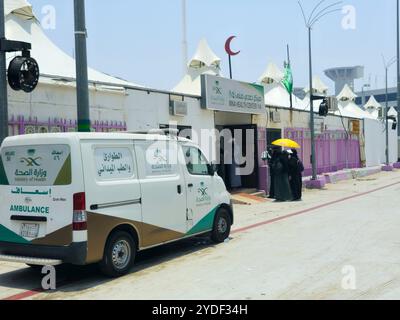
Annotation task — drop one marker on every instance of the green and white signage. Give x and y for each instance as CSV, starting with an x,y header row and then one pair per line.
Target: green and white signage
x,y
223,94
43,165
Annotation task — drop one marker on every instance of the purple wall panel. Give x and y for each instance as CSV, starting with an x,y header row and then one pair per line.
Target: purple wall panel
x,y
20,124
333,151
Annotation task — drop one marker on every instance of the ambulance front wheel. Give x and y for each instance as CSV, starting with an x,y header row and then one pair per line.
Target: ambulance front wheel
x,y
119,254
222,226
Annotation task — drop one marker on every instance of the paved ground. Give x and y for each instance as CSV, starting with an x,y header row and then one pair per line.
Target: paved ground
x,y
277,251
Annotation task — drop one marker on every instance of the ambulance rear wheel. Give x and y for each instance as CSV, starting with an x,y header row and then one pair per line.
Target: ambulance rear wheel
x,y
119,254
222,226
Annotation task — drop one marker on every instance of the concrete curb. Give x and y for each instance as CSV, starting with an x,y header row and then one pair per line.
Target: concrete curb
x,y
339,176
387,168
365,172
335,177
396,165
316,184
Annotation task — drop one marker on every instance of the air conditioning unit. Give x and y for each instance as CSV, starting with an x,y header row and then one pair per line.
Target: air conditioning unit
x,y
333,104
275,116
178,108
381,113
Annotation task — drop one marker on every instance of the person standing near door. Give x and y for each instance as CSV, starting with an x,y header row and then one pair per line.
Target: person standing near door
x,y
280,167
272,157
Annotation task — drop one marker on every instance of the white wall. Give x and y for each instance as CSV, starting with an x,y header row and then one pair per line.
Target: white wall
x,y
375,143
301,119
59,102
146,111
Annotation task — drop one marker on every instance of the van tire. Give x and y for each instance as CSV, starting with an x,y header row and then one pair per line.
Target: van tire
x,y
119,254
222,226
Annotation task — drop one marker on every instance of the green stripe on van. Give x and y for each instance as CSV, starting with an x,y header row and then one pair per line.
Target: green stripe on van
x,y
64,177
204,224
7,235
3,176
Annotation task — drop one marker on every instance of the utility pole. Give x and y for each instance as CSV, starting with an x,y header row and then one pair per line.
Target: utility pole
x,y
184,37
82,83
313,159
386,117
314,17
363,101
3,80
398,70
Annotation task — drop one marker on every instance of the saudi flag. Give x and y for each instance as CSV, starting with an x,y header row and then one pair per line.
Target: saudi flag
x,y
288,79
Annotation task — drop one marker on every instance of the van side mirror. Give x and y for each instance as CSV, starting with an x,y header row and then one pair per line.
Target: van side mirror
x,y
212,169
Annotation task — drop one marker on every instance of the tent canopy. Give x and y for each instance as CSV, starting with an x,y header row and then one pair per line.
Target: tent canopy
x,y
392,112
372,104
271,74
20,8
204,57
347,94
203,62
318,86
54,63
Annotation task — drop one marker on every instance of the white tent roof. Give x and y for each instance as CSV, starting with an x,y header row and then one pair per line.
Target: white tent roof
x,y
53,62
392,112
21,8
351,110
204,56
372,103
203,62
276,95
271,74
318,86
347,94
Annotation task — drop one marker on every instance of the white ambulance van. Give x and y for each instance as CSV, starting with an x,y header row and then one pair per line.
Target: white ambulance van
x,y
84,198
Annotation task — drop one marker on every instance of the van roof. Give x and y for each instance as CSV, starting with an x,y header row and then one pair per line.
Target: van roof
x,y
90,136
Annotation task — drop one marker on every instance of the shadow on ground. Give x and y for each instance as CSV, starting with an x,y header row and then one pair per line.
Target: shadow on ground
x,y
88,277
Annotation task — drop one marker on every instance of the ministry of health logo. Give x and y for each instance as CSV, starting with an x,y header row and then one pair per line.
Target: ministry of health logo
x,y
30,161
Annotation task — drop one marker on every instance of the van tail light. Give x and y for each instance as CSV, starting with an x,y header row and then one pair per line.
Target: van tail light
x,y
79,221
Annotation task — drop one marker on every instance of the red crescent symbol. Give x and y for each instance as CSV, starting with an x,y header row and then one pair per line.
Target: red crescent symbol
x,y
228,47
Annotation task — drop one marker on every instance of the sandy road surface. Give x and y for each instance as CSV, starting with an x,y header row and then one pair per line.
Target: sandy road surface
x,y
278,251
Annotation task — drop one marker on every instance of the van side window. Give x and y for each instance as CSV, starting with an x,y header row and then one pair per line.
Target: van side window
x,y
196,163
113,163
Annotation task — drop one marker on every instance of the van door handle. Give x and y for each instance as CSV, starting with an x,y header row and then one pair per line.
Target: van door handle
x,y
190,185
179,189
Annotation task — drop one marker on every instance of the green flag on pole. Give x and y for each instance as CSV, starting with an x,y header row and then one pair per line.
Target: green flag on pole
x,y
288,79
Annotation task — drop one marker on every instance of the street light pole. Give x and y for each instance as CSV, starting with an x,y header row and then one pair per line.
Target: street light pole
x,y
184,37
398,68
3,81
386,113
386,117
314,17
312,129
82,82
363,101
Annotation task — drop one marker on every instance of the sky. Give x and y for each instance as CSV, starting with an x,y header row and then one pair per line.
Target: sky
x,y
141,41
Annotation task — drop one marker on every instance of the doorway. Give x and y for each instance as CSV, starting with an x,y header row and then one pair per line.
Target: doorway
x,y
239,174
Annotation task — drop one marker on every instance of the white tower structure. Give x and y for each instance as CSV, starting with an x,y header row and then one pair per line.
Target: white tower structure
x,y
344,75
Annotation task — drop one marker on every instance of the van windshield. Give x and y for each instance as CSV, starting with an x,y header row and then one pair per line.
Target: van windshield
x,y
35,165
